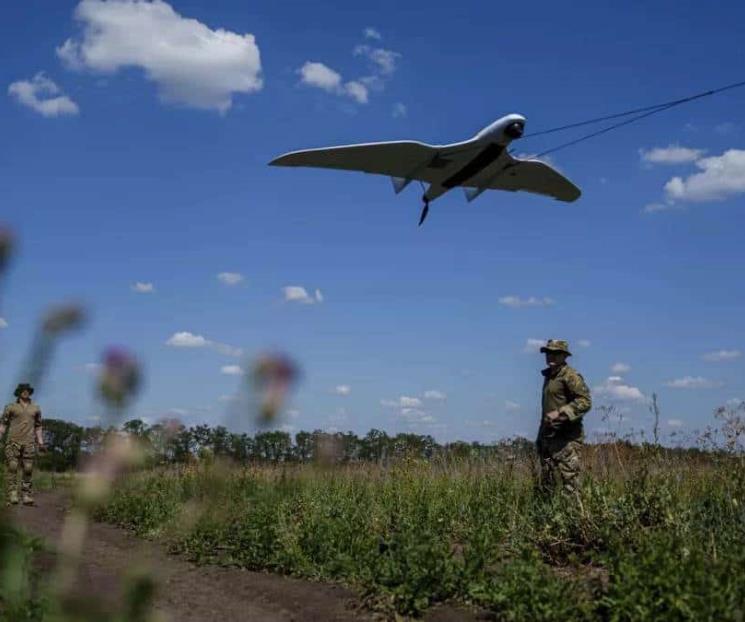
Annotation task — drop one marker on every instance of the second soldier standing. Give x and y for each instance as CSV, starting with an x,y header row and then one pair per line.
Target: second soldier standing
x,y
566,399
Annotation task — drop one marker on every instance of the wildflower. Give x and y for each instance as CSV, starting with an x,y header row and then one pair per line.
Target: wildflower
x,y
120,377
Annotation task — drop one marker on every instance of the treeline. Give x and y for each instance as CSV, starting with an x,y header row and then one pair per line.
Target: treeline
x,y
171,442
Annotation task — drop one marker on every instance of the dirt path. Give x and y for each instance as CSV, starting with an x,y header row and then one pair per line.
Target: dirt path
x,y
190,593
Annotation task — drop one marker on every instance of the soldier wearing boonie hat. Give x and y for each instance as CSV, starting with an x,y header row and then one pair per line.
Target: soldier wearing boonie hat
x,y
566,399
22,420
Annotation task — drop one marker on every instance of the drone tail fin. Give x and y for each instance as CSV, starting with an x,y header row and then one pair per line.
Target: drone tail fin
x,y
399,183
473,193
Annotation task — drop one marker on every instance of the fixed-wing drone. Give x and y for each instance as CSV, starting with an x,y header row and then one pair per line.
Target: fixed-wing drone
x,y
478,164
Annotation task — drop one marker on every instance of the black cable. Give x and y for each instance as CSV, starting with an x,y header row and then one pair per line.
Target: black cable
x,y
599,132
650,109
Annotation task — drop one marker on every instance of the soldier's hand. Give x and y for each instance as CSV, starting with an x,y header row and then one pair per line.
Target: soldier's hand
x,y
42,448
555,418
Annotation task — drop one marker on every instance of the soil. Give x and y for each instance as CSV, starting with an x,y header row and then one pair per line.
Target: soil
x,y
191,593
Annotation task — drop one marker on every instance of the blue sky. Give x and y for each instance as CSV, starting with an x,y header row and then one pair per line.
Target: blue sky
x,y
149,166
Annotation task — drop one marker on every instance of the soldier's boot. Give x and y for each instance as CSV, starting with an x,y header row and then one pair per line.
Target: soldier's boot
x,y
26,482
13,497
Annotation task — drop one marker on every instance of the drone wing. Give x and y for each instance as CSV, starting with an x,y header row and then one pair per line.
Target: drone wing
x,y
400,159
527,176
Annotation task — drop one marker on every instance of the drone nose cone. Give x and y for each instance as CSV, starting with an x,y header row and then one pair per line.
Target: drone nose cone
x,y
515,130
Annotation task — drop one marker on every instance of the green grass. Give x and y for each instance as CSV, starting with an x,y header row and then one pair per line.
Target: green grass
x,y
655,537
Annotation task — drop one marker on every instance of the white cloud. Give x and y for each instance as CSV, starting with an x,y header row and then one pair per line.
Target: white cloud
x,y
296,293
399,110
92,368
511,407
43,96
231,370
384,61
404,401
722,355
190,63
415,415
185,339
614,388
410,402
534,345
323,77
230,278
516,302
584,343
434,394
3,323
720,177
674,423
620,368
372,33
319,75
673,154
694,382
143,288
342,389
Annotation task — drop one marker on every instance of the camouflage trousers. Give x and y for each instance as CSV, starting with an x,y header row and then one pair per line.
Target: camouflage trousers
x,y
20,454
559,464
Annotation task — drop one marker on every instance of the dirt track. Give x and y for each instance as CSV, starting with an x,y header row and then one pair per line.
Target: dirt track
x,y
191,593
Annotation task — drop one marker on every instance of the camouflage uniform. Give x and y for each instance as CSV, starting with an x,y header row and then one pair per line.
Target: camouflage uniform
x,y
559,444
22,420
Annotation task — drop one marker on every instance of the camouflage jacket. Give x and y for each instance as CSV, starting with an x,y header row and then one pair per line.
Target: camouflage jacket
x,y
22,420
565,390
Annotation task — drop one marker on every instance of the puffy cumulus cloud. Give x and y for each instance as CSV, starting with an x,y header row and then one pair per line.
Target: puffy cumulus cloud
x,y
230,278
614,388
3,323
516,302
372,33
584,343
674,423
383,61
298,294
321,76
143,288
694,382
231,370
191,64
185,339
43,96
383,65
399,110
342,389
620,368
720,177
722,355
673,154
434,394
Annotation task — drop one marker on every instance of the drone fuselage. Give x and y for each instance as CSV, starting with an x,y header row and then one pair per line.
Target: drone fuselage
x,y
489,145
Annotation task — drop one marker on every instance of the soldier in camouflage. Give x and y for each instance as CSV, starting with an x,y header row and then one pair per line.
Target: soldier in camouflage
x,y
566,399
22,420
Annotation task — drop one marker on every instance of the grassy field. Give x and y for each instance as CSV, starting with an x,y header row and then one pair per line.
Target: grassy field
x,y
656,535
